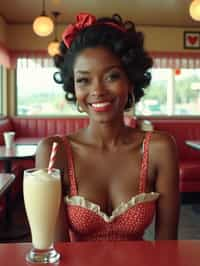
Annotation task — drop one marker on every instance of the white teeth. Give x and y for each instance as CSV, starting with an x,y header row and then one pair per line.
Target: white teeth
x,y
100,104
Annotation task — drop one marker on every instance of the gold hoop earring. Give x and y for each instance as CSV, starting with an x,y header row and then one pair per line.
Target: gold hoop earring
x,y
79,108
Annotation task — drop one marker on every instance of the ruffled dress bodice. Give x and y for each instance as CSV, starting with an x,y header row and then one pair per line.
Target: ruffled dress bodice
x,y
128,221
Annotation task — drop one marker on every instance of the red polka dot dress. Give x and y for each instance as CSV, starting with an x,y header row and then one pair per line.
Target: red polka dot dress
x,y
127,222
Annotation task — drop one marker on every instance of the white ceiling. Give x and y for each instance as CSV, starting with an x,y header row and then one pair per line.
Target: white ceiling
x,y
142,12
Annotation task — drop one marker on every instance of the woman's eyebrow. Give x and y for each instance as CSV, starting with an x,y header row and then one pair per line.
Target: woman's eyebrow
x,y
113,66
81,72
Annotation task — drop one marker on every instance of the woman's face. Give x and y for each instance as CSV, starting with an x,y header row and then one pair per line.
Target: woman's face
x,y
101,84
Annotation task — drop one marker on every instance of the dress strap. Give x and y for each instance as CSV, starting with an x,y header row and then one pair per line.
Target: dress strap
x,y
71,169
145,160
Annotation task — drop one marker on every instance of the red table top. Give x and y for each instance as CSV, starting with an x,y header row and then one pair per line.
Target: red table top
x,y
118,253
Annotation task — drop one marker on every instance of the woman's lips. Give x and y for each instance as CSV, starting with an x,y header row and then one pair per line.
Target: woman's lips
x,y
101,107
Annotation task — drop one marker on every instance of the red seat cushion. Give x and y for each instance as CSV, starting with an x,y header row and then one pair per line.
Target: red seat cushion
x,y
189,186
189,170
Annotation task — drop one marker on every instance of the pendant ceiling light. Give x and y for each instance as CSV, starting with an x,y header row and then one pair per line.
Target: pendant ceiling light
x,y
43,25
195,10
53,47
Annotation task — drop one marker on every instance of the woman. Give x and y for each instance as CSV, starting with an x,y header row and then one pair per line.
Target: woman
x,y
114,177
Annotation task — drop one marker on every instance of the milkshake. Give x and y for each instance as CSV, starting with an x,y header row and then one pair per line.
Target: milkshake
x,y
42,195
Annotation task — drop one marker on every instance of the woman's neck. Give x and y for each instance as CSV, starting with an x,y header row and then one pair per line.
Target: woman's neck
x,y
107,136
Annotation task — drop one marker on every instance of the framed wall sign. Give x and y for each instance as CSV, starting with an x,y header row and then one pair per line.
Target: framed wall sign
x,y
191,40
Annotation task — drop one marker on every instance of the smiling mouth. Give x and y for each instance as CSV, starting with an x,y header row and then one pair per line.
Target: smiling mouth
x,y
103,104
101,107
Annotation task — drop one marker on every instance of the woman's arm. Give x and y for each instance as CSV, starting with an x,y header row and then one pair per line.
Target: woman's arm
x,y
42,160
167,184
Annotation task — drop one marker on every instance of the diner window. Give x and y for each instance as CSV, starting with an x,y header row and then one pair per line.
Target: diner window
x,y
1,90
37,93
171,92
187,94
154,101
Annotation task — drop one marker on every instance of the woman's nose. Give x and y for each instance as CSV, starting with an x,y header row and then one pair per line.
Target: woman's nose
x,y
98,88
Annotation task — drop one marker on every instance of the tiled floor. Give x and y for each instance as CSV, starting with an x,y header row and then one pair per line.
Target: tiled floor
x,y
189,225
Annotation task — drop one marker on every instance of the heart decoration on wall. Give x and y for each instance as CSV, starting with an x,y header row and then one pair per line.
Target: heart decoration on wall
x,y
191,40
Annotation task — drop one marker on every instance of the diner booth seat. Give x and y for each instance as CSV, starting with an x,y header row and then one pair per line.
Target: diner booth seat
x,y
189,158
30,130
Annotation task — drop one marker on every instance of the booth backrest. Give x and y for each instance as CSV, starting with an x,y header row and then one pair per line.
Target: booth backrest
x,y
42,127
182,130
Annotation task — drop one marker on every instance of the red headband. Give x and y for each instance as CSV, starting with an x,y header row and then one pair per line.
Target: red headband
x,y
83,20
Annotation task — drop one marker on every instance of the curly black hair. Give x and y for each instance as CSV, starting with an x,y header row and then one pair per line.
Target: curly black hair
x,y
127,45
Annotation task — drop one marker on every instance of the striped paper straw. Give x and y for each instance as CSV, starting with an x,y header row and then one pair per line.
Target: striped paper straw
x,y
52,156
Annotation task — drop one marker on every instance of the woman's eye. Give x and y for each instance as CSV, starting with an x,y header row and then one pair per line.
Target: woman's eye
x,y
113,76
82,80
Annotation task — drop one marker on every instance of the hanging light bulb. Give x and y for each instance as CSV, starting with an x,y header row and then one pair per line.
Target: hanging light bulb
x,y
194,10
53,47
43,25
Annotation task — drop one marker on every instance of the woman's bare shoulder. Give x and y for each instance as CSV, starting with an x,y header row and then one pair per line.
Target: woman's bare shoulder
x,y
163,147
161,139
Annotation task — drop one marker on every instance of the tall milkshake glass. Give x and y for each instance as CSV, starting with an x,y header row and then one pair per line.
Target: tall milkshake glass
x,y
42,195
